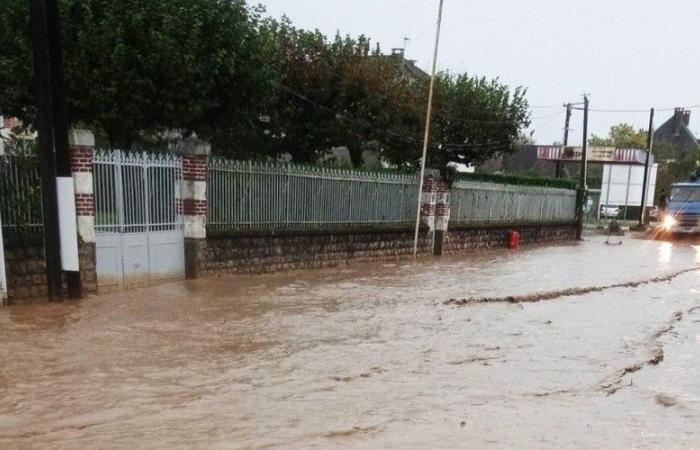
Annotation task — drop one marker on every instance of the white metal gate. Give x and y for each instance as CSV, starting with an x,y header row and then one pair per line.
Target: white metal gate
x,y
138,218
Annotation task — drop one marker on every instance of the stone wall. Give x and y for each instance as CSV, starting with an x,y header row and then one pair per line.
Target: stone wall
x,y
461,239
88,266
26,271
290,250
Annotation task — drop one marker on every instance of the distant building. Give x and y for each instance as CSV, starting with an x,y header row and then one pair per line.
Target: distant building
x,y
6,125
524,160
8,130
675,131
406,67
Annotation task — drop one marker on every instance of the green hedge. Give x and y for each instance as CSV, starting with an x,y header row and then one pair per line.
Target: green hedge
x,y
330,229
520,180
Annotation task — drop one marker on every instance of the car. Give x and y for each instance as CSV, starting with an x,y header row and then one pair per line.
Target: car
x,y
609,211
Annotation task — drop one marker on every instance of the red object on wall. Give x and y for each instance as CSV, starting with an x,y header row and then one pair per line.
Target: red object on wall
x,y
513,239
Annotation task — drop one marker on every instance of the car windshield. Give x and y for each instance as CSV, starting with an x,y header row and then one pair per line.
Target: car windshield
x,y
685,194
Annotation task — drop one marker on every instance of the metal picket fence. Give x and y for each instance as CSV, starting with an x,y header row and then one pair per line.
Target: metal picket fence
x,y
483,202
259,195
20,195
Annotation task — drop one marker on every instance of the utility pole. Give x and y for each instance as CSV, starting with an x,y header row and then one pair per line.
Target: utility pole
x,y
58,198
566,135
426,136
645,187
64,178
582,188
43,123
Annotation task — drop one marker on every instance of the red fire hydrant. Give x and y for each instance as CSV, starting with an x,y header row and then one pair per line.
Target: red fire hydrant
x,y
513,239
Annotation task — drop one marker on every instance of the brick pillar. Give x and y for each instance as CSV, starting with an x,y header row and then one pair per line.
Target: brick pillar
x,y
442,214
427,206
82,145
195,156
435,209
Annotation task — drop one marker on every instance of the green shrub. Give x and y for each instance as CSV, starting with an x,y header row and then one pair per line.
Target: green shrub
x,y
521,180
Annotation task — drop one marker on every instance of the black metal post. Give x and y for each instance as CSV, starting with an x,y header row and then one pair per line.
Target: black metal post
x,y
44,129
650,143
60,121
581,200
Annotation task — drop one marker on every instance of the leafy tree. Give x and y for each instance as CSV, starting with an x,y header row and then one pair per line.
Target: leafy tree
x,y
672,170
133,66
333,93
253,87
476,118
473,119
622,135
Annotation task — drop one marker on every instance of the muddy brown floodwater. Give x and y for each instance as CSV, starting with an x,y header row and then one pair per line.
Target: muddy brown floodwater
x,y
370,356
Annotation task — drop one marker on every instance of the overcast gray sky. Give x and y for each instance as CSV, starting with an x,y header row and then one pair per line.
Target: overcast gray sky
x,y
627,54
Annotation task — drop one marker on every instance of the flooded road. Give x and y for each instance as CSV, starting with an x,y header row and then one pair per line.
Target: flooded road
x,y
370,356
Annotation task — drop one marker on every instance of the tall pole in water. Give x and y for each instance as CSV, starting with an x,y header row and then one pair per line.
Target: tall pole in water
x,y
582,182
45,143
566,136
645,187
64,178
426,136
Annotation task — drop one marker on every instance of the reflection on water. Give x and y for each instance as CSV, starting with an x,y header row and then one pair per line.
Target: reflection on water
x,y
665,252
365,356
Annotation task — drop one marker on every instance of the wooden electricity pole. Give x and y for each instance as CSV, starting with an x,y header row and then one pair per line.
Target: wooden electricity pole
x,y
569,107
426,136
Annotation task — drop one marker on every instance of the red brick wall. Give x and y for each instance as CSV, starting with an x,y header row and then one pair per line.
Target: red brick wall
x,y
81,159
192,207
194,168
85,204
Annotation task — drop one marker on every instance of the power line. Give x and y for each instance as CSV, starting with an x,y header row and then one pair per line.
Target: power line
x,y
558,114
545,107
636,110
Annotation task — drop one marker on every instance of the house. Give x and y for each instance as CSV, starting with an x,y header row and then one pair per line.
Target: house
x,y
406,68
525,160
6,125
675,131
13,139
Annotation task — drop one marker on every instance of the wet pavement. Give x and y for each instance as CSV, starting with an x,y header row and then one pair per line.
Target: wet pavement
x,y
370,356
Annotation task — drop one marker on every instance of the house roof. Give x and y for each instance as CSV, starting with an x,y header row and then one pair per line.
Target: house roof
x,y
407,67
676,130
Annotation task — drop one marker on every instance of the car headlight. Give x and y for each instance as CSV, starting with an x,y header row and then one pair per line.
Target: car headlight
x,y
669,221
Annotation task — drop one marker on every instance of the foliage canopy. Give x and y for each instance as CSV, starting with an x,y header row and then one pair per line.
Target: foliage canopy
x,y
253,86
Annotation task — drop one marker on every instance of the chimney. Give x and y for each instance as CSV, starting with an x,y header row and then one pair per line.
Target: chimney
x,y
678,117
686,117
397,52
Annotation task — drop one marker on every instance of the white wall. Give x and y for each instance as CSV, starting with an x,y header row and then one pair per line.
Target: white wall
x,y
618,176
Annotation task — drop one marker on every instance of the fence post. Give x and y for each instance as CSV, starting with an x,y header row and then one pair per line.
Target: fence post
x,y
81,144
195,158
428,207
